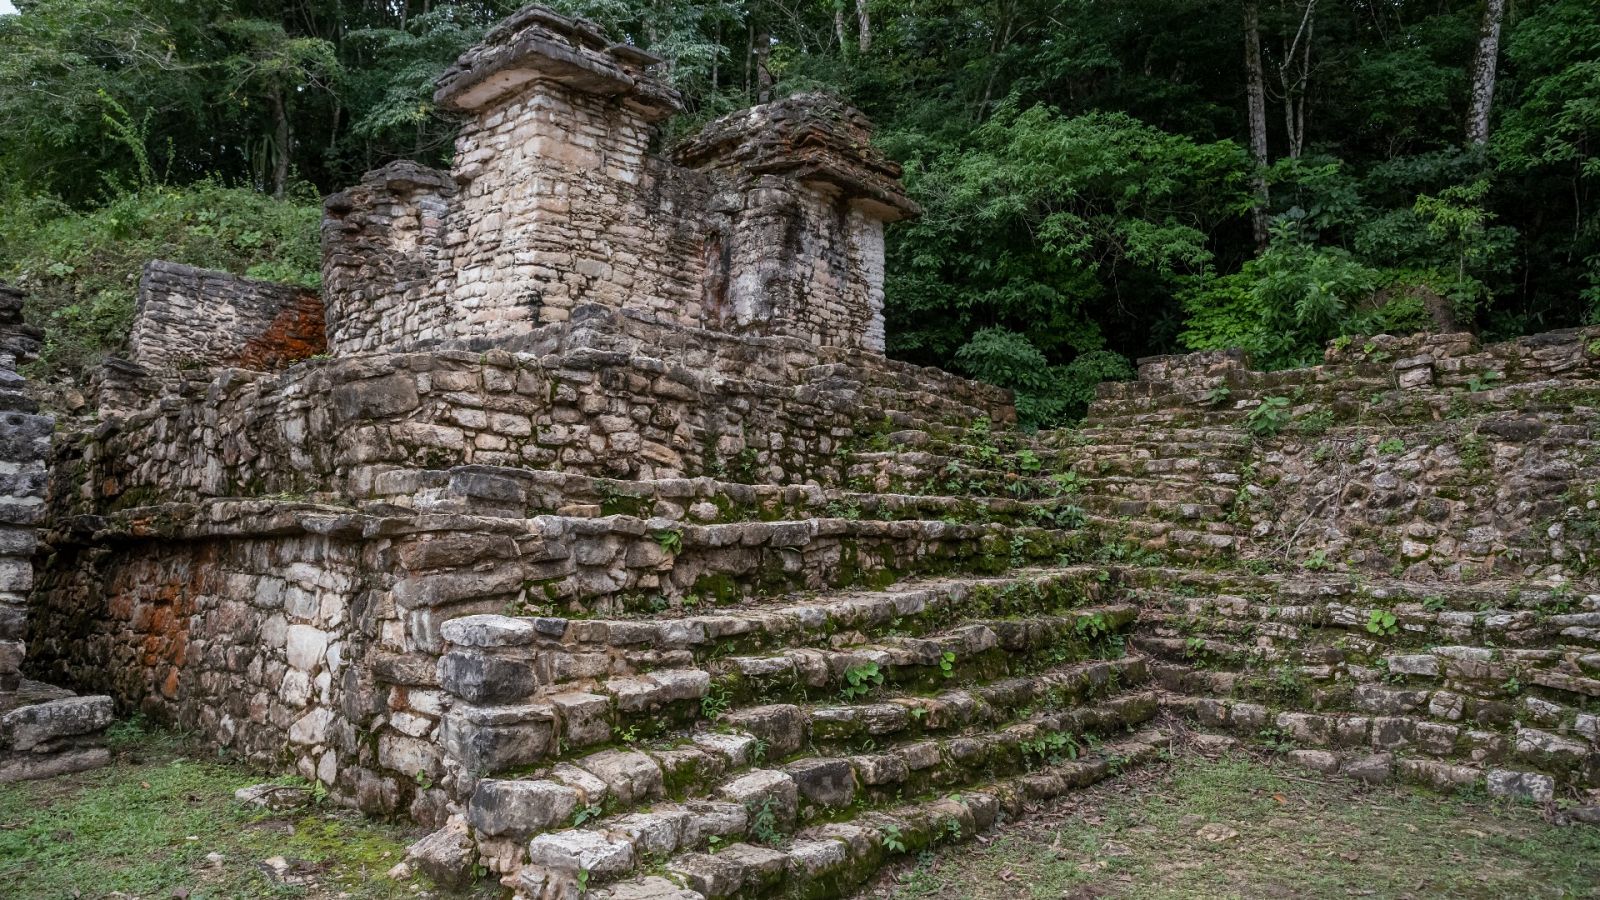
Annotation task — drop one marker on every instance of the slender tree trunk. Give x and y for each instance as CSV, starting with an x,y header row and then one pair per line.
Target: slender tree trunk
x,y
1483,73
864,22
838,26
281,137
749,54
1296,84
1257,101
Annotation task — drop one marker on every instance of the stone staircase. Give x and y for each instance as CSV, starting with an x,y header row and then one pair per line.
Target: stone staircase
x,y
1066,591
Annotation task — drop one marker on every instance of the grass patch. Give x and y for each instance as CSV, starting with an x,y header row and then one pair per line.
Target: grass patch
x,y
145,825
1239,828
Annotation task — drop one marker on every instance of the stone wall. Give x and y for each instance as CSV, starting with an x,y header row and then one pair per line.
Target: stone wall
x,y
1428,454
803,252
607,394
195,318
265,633
558,208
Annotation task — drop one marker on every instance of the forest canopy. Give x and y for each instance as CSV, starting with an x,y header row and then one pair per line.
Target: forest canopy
x,y
1102,179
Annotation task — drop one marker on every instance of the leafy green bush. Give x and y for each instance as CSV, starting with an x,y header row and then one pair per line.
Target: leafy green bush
x,y
1045,394
81,268
1281,306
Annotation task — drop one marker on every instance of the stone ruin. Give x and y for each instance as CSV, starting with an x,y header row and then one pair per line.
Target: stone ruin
x,y
600,535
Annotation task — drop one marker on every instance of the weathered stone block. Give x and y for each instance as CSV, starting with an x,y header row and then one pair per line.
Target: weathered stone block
x,y
520,809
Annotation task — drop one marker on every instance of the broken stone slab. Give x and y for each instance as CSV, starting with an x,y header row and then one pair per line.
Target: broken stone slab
x,y
33,766
29,726
824,782
274,796
652,887
489,631
629,776
764,789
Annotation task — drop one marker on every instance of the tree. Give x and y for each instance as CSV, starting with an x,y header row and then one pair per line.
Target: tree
x,y
1483,73
1257,98
274,67
1294,77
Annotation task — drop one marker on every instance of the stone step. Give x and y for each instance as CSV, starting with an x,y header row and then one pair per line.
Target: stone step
x,y
817,861
1218,490
1344,407
1573,761
618,565
613,786
973,651
1190,466
683,635
1556,675
1375,628
916,472
1167,540
1111,507
1096,437
1320,599
586,714
523,493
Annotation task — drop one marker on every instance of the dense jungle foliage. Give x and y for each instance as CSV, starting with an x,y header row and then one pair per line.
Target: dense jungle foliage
x,y
1102,179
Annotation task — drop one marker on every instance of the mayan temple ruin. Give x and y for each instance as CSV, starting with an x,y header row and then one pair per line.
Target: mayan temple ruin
x,y
582,519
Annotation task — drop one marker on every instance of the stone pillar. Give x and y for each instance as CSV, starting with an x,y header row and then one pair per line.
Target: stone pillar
x,y
381,243
807,198
556,207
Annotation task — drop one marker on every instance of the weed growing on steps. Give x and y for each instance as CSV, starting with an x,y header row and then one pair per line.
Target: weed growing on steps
x,y
860,680
1382,622
669,540
1270,417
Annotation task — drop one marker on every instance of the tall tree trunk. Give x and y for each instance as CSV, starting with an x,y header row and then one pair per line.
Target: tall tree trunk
x,y
281,137
1257,95
864,22
838,26
1483,73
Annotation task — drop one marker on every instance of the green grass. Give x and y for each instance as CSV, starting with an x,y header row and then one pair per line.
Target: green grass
x,y
1142,836
145,825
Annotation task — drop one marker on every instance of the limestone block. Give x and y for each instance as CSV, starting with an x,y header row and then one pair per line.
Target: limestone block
x,y
764,789
582,851
520,809
1521,785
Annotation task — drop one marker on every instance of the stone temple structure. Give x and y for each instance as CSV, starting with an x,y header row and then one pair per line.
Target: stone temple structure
x,y
582,518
